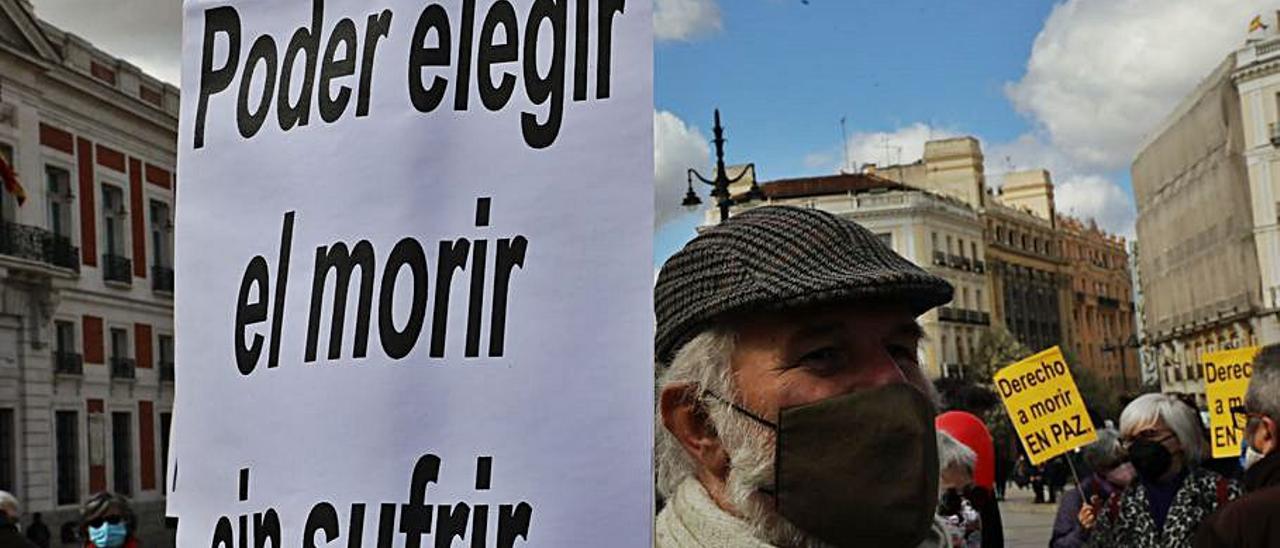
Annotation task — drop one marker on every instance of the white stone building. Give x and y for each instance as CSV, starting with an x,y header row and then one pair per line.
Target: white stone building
x,y
86,279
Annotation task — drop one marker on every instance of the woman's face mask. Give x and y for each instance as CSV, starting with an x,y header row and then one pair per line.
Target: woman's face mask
x,y
108,534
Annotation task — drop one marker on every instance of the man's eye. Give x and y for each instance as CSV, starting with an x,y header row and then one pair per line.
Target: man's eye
x,y
826,359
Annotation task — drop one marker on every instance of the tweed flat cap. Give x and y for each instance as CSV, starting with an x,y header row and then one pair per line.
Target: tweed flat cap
x,y
778,257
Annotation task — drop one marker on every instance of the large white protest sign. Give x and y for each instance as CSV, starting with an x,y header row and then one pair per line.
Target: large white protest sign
x,y
414,274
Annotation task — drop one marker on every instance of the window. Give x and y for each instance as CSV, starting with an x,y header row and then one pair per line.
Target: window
x,y
68,456
979,307
166,419
121,455
935,234
64,338
119,343
113,218
949,245
58,181
886,238
973,251
999,233
8,452
161,227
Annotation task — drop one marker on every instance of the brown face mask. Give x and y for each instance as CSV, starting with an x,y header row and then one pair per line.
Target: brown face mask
x,y
859,469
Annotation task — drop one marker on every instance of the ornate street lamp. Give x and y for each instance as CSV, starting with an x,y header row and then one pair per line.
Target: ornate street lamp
x,y
720,185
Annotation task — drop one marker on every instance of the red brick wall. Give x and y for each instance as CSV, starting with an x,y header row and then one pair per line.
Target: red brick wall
x,y
55,138
147,444
136,216
88,197
110,158
142,345
158,176
93,348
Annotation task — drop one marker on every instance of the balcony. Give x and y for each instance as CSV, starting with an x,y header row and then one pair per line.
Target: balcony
x,y
117,269
979,266
939,258
68,363
948,314
123,368
40,245
162,278
166,371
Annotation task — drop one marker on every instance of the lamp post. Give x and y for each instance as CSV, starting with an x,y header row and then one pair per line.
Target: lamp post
x,y
720,184
1120,348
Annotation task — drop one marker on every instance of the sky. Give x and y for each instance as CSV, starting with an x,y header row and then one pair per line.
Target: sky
x,y
1072,86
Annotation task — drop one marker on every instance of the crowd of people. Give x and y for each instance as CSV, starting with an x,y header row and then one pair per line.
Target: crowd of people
x,y
792,412
106,521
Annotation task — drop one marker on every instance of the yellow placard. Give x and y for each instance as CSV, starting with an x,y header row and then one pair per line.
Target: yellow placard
x,y
1226,378
1045,406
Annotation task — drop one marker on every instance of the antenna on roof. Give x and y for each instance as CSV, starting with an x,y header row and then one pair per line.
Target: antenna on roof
x,y
844,135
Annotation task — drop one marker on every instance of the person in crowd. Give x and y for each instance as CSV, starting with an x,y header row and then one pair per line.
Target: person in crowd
x,y
791,410
107,521
38,533
1110,474
10,513
1253,521
1004,466
1172,493
1056,473
1036,476
956,464
969,430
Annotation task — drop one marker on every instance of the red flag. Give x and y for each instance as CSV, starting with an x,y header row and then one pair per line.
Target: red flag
x,y
11,184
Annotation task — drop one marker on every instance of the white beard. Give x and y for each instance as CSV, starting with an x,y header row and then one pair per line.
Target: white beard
x,y
751,469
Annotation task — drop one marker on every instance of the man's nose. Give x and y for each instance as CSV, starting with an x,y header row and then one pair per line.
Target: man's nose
x,y
880,369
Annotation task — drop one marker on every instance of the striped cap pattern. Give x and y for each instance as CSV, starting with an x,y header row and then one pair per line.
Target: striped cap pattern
x,y
779,257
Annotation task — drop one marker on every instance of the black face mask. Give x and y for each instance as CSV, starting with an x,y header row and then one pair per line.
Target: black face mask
x,y
951,503
1150,459
859,469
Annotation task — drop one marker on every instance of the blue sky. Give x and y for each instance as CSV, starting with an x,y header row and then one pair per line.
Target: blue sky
x,y
784,73
1074,86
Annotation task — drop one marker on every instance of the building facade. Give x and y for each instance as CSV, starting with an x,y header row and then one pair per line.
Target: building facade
x,y
1102,321
1201,216
86,279
1036,257
938,233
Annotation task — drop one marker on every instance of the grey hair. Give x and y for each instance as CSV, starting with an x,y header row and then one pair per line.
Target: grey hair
x,y
1105,453
953,454
702,363
1263,395
1148,409
9,504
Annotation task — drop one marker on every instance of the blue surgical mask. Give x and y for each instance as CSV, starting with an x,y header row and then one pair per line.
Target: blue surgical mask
x,y
108,535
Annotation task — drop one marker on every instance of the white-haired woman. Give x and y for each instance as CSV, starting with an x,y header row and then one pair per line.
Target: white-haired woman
x,y
955,466
1173,494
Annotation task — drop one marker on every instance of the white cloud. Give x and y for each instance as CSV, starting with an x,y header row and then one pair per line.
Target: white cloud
x,y
901,146
1095,197
1081,193
1104,73
685,20
676,148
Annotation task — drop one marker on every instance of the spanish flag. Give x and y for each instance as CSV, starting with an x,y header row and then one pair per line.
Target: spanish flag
x,y
10,180
1256,24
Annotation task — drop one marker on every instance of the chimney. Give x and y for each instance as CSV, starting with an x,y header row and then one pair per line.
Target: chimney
x,y
1031,190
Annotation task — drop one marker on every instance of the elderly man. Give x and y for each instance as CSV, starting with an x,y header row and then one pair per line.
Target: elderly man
x,y
1253,521
10,512
792,410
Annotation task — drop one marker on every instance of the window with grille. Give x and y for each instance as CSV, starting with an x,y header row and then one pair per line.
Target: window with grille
x,y
122,452
67,427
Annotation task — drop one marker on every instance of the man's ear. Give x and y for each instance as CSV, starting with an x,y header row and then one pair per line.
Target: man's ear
x,y
1269,431
684,415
